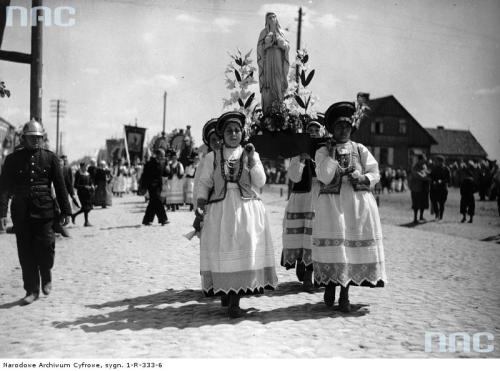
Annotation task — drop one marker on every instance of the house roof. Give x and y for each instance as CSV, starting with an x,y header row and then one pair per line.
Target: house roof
x,y
5,123
377,104
456,143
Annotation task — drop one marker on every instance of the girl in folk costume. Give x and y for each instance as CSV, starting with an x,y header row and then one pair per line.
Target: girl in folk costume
x,y
213,143
175,189
119,185
347,235
236,249
299,212
189,172
134,180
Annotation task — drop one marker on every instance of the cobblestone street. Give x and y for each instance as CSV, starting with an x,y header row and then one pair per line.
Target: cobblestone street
x,y
124,290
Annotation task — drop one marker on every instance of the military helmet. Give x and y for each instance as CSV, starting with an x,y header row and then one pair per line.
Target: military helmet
x,y
33,127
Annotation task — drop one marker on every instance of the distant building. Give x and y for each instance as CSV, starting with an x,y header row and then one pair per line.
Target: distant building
x,y
456,145
393,135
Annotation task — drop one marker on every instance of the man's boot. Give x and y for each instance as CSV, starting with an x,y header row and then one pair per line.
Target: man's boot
x,y
47,288
29,298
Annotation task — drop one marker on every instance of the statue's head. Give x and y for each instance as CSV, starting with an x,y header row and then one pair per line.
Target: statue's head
x,y
271,20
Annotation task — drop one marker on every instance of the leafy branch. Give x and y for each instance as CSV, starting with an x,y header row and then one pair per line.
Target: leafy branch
x,y
302,97
239,76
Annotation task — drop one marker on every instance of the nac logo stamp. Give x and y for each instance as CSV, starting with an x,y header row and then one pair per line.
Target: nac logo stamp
x,y
480,342
61,16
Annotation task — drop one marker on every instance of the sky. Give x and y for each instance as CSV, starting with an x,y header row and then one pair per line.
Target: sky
x,y
440,59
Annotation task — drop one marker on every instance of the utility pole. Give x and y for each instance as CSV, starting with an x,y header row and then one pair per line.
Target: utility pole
x,y
164,110
299,32
61,147
36,67
34,59
57,108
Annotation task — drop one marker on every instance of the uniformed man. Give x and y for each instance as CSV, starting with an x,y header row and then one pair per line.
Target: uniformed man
x,y
27,176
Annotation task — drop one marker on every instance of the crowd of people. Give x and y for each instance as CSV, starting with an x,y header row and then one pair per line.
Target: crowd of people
x,y
331,229
429,181
392,180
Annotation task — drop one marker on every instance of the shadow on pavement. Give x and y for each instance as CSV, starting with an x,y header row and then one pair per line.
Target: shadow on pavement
x,y
495,238
138,211
134,202
200,314
165,297
121,227
12,304
409,225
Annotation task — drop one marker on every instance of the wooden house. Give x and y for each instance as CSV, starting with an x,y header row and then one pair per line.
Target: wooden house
x,y
456,145
393,135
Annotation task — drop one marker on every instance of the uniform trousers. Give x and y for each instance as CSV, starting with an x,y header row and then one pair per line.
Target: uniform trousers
x,y
36,251
155,207
438,199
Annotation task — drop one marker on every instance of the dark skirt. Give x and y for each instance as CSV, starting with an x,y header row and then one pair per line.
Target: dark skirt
x,y
103,195
419,200
86,196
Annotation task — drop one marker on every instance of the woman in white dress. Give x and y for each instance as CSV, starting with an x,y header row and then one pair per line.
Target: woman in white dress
x,y
189,172
236,254
347,234
299,212
213,143
119,185
175,183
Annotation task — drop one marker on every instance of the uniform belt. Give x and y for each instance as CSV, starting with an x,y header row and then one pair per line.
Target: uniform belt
x,y
35,190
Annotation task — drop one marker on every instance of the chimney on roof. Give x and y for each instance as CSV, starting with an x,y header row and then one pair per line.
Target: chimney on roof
x,y
363,97
440,127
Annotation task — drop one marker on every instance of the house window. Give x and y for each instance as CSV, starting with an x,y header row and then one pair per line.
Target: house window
x,y
379,127
402,126
386,156
372,128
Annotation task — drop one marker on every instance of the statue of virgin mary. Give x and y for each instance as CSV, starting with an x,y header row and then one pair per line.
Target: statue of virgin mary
x,y
272,59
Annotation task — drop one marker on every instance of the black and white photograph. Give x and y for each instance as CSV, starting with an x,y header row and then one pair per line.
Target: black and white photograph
x,y
210,181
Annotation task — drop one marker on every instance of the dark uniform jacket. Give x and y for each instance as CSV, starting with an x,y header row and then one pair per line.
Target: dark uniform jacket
x,y
27,176
440,178
153,173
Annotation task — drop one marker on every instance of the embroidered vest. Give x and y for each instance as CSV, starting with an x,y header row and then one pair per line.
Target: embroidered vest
x,y
305,183
240,175
354,159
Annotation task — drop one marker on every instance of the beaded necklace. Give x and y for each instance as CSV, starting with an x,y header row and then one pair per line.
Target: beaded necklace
x,y
344,156
232,167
